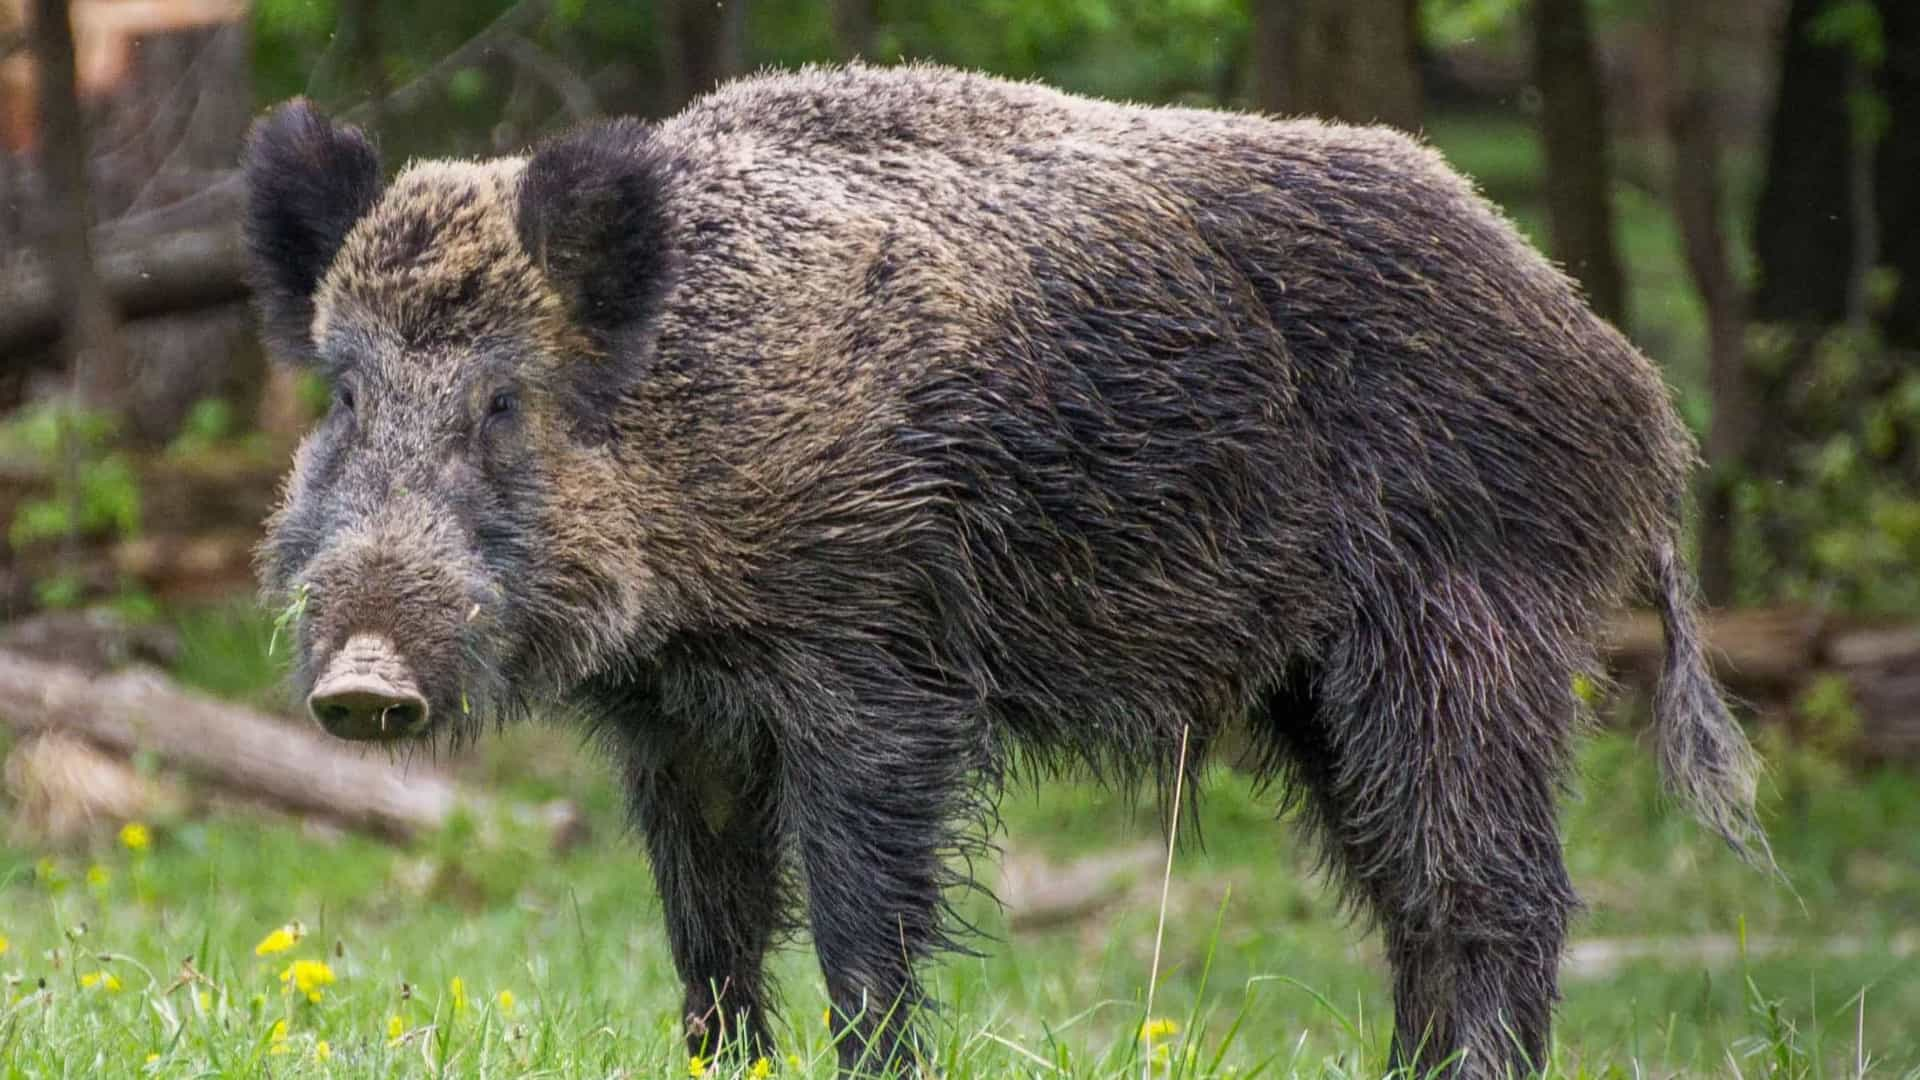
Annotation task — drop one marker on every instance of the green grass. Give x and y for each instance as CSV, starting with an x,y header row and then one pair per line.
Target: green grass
x,y
1260,971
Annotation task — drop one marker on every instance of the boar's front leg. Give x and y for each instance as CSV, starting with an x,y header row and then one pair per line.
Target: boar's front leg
x,y
711,836
875,806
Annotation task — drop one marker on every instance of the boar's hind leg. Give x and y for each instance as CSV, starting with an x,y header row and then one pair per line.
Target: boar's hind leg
x,y
1429,764
874,819
715,851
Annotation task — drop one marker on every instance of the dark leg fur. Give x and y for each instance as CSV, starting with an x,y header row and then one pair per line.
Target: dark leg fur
x,y
1428,753
875,826
712,838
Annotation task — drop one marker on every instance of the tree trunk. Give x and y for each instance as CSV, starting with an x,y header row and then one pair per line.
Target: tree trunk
x,y
703,46
1803,226
1573,122
1352,60
854,22
359,29
1695,189
1897,179
1267,84
92,345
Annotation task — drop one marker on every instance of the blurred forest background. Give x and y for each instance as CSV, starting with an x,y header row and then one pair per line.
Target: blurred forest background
x,y
1736,183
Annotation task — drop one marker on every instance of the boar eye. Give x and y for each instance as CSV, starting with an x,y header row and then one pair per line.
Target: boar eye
x,y
343,396
504,403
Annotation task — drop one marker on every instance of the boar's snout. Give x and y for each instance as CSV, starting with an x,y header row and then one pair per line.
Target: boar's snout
x,y
368,692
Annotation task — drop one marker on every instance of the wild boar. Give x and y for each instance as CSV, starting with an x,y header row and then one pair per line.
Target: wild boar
x,y
832,439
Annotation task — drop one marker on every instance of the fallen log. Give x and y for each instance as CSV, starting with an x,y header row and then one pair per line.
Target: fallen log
x,y
94,639
233,748
1753,650
1037,893
1774,659
1604,958
177,272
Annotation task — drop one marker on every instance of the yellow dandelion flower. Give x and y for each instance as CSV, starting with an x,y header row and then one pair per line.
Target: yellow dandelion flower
x,y
458,988
826,1017
762,1068
279,941
204,1000
277,1038
696,1066
104,980
4,944
1159,1029
49,874
98,876
151,1058
396,1027
321,1051
135,836
307,976
505,998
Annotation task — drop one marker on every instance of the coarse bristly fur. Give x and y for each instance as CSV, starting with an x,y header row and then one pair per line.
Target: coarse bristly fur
x,y
833,438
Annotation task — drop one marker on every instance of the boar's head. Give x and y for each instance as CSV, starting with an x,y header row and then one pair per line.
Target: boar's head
x,y
465,530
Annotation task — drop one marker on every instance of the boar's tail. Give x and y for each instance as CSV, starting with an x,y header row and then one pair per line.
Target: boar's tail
x,y
1707,760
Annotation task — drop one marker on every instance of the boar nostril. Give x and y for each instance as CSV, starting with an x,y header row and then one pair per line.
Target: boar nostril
x,y
368,691
367,707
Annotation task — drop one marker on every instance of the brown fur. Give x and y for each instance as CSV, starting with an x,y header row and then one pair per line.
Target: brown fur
x,y
863,425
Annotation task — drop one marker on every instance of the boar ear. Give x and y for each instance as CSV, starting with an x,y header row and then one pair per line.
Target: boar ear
x,y
592,220
308,181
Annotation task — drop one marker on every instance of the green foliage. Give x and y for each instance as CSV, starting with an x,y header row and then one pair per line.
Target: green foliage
x,y
36,433
1831,515
59,592
1829,713
313,393
1154,51
1854,25
1447,23
135,604
96,494
209,423
227,649
288,618
288,36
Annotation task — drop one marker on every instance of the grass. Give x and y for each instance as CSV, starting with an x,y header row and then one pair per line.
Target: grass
x,y
1260,973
